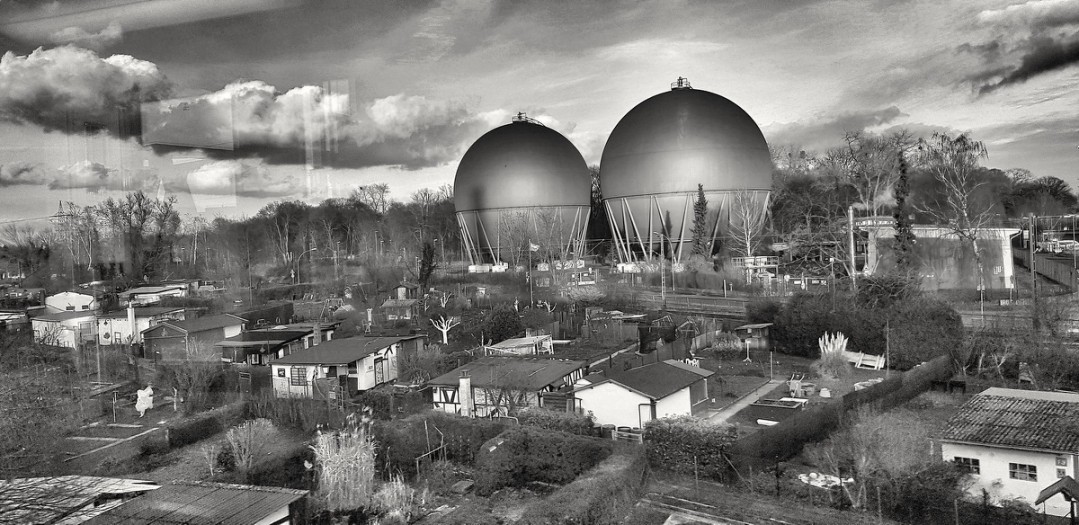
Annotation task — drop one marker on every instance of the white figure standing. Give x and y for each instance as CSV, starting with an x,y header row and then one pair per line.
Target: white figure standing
x,y
145,400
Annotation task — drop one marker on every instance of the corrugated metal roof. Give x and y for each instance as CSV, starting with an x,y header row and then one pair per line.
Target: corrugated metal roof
x,y
342,351
198,503
47,499
1017,418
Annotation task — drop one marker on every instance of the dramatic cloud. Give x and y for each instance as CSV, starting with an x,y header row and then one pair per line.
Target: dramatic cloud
x,y
73,89
1036,37
312,125
1041,54
235,178
822,134
21,173
109,36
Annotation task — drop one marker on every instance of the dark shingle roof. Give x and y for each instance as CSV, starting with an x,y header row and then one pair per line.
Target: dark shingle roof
x,y
527,374
656,380
201,502
1017,418
341,351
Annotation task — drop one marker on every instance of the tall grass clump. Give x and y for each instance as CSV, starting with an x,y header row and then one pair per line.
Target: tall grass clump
x,y
832,362
345,460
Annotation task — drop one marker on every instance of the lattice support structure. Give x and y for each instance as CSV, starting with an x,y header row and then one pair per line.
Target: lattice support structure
x,y
641,224
504,234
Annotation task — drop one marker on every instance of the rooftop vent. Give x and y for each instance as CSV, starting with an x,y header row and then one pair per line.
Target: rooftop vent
x,y
522,117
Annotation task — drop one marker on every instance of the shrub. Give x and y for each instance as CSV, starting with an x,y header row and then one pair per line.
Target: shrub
x,y
401,441
921,328
568,422
523,454
762,310
204,425
685,444
396,501
306,415
284,469
601,496
247,441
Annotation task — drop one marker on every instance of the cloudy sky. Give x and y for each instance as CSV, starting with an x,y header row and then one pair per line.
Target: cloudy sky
x,y
229,104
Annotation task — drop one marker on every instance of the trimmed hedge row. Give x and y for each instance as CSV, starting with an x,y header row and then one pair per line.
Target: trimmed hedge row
x,y
601,496
686,443
570,422
525,454
401,441
786,439
205,425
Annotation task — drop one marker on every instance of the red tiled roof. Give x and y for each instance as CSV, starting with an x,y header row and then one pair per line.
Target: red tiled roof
x,y
1017,418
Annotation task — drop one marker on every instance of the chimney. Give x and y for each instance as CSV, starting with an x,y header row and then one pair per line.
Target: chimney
x,y
464,393
316,336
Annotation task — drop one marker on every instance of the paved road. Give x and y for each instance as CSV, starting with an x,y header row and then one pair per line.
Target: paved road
x,y
723,415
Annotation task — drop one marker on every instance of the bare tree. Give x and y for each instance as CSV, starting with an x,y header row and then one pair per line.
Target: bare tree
x,y
248,440
868,163
444,324
374,196
747,216
959,207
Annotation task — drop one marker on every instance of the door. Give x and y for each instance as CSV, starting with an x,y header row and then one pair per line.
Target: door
x,y
380,371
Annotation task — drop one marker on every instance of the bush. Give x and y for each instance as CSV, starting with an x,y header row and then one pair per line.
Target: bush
x,y
204,425
523,454
401,441
921,328
601,496
396,501
306,415
762,310
687,444
568,422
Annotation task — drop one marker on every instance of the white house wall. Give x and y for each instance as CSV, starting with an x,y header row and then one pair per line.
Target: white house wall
x,y
70,302
994,476
676,404
612,404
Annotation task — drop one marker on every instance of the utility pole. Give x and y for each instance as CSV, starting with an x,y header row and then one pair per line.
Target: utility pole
x,y
850,237
1033,273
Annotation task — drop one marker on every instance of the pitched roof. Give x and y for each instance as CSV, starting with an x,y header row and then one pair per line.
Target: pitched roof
x,y
515,342
655,381
695,369
527,374
143,311
64,316
188,502
258,338
153,289
342,351
201,324
1005,417
399,303
1066,486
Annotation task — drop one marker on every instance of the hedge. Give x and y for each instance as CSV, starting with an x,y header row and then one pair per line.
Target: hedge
x,y
522,455
302,414
204,425
688,444
561,421
920,328
401,441
601,496
786,439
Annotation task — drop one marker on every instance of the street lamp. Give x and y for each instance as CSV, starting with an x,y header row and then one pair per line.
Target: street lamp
x,y
296,277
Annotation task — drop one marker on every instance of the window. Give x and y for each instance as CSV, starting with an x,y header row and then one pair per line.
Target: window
x,y
1061,473
969,465
281,372
298,376
1022,472
1062,461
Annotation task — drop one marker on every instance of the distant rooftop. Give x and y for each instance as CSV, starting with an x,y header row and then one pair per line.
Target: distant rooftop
x,y
342,351
656,380
201,324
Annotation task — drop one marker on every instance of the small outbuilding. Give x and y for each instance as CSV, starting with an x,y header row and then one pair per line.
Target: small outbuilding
x,y
500,386
174,340
349,365
70,302
65,329
756,335
190,502
633,397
